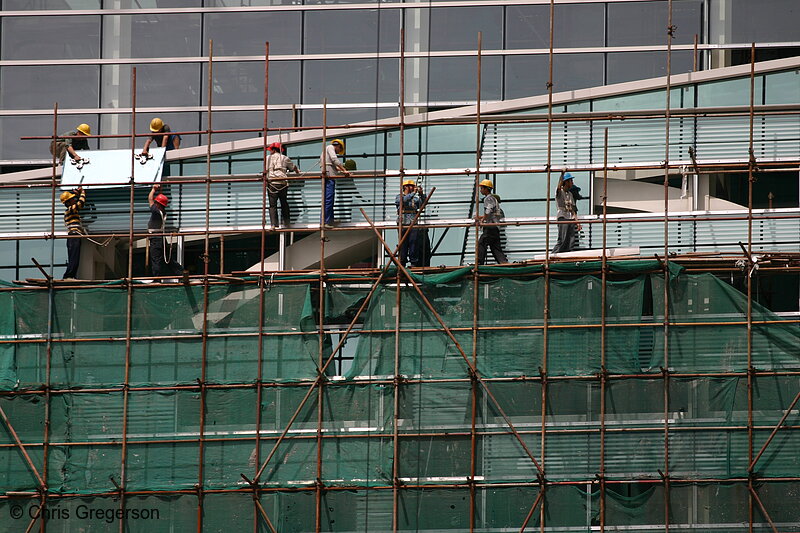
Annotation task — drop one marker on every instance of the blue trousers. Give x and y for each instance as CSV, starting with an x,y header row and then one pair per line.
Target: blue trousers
x,y
330,195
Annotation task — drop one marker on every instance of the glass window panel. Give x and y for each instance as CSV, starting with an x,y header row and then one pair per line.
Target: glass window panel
x,y
147,4
153,35
350,80
243,83
728,93
245,33
232,120
527,75
454,79
681,97
456,28
630,66
351,31
40,87
764,21
12,128
783,87
573,26
120,124
645,23
165,85
23,5
313,117
51,37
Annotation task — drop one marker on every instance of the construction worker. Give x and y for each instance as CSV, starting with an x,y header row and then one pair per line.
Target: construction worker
x,y
278,166
408,203
490,236
161,263
567,215
74,201
332,168
69,142
161,136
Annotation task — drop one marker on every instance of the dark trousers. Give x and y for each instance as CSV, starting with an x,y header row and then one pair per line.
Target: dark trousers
x,y
490,238
410,249
330,196
73,257
282,196
158,265
566,237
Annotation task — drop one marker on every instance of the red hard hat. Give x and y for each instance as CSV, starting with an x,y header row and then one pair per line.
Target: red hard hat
x,y
161,199
276,146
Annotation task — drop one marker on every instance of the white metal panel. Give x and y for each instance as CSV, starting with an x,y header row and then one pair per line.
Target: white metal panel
x,y
111,168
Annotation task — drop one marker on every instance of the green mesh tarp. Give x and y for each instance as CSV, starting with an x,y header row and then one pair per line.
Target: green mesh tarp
x,y
417,387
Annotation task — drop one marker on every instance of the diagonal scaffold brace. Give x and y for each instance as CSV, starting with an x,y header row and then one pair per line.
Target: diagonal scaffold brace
x,y
471,368
340,344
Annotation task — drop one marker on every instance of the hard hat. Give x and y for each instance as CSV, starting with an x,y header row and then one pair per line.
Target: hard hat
x,y
276,146
161,199
85,129
156,124
567,176
66,196
487,183
339,142
408,182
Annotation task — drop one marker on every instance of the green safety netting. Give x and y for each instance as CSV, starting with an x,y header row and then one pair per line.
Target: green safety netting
x,y
707,415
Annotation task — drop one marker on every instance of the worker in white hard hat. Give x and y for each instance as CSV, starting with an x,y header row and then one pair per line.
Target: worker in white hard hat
x,y
70,141
490,236
73,201
278,167
161,261
408,203
332,167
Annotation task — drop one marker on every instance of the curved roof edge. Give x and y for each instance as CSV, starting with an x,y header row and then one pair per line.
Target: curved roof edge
x,y
504,106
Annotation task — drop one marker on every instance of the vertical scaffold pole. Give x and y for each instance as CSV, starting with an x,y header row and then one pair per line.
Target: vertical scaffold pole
x,y
546,310
204,350
665,369
397,324
750,271
262,257
123,474
475,288
603,331
321,333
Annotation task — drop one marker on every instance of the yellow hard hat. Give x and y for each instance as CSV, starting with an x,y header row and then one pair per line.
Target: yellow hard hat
x,y
408,182
156,124
487,183
339,142
66,196
85,129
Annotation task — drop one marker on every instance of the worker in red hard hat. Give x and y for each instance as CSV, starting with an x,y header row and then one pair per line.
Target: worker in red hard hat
x,y
278,167
161,261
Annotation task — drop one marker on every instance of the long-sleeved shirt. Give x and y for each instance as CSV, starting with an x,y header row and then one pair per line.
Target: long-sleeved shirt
x,y
72,216
278,166
411,204
330,161
491,208
566,205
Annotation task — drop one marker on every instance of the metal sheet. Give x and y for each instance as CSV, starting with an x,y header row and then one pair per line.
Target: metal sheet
x,y
112,168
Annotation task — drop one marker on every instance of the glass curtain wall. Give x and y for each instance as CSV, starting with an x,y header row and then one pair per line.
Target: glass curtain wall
x,y
343,53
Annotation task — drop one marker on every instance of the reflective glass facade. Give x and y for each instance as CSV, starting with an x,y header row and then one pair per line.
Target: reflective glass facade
x,y
81,55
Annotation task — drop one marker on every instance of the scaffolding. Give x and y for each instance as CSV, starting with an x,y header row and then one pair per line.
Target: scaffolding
x,y
630,394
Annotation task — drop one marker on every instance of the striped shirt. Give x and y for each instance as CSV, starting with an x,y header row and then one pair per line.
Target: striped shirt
x,y
72,216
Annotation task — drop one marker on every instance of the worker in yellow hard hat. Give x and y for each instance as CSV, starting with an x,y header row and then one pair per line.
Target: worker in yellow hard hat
x,y
408,203
332,167
70,141
73,202
490,236
162,136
